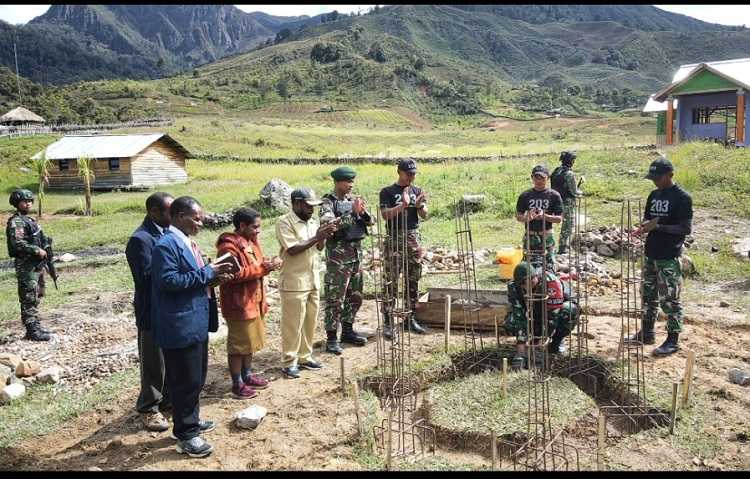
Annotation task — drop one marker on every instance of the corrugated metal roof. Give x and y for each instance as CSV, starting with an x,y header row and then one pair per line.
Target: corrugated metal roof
x,y
103,146
738,70
653,106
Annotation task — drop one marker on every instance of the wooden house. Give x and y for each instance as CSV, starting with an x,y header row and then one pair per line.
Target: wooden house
x,y
137,160
21,116
705,101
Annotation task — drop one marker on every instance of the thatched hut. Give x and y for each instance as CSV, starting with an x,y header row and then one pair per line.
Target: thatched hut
x,y
136,160
21,116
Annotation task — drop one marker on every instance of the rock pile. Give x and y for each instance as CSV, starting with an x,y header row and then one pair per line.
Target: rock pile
x,y
605,241
214,221
16,373
434,259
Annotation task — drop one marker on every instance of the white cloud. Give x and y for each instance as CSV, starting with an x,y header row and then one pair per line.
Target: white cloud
x,y
722,14
16,14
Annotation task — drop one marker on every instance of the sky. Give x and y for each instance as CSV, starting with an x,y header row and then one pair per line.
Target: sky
x,y
723,14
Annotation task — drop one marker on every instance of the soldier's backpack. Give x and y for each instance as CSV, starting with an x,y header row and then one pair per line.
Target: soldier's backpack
x,y
557,180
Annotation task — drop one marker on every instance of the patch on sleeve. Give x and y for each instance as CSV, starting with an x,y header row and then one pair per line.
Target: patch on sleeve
x,y
19,233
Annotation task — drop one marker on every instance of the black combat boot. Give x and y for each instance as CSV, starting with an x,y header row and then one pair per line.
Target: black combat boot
x,y
670,346
332,343
35,333
644,336
348,335
414,326
557,345
387,330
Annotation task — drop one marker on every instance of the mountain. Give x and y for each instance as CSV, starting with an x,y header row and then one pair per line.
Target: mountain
x,y
83,42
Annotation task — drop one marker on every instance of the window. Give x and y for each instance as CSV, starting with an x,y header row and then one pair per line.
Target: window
x,y
712,114
64,165
114,164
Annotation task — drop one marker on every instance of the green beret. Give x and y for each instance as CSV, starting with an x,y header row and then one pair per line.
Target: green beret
x,y
343,173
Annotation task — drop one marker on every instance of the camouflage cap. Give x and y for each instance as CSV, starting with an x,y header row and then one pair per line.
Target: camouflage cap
x,y
522,271
343,173
20,195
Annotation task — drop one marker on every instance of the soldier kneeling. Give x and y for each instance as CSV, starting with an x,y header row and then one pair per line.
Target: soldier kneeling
x,y
562,311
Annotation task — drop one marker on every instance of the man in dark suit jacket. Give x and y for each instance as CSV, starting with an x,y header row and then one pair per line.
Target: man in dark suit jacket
x,y
138,252
180,289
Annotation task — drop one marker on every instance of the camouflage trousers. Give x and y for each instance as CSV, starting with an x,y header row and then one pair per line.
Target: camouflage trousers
x,y
30,289
539,252
394,262
566,229
564,317
661,285
342,293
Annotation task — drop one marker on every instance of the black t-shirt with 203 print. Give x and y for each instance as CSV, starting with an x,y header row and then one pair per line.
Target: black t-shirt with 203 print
x,y
391,196
672,206
547,200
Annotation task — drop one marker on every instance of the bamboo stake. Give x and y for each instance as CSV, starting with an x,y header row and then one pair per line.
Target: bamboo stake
x,y
497,337
504,380
494,450
673,418
343,378
687,381
602,432
389,441
447,320
355,393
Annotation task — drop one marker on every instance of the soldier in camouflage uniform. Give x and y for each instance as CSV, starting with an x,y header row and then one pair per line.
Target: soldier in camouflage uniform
x,y
562,311
343,279
403,202
564,182
667,220
26,243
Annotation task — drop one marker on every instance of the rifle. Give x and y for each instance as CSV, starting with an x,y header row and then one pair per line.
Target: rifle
x,y
48,262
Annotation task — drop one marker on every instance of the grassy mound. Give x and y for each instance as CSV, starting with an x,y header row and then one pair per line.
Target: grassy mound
x,y
475,404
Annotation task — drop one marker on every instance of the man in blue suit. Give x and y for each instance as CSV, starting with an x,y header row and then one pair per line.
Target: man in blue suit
x,y
138,252
181,283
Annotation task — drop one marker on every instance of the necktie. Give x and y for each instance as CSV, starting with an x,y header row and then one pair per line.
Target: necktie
x,y
199,261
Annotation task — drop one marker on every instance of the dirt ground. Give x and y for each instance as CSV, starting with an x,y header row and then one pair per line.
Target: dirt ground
x,y
311,426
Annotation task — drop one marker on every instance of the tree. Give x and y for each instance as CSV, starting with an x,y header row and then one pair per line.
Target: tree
x,y
282,35
40,167
333,16
86,172
282,88
325,53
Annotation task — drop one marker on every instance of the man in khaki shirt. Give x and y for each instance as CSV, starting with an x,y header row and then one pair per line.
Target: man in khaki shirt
x,y
297,232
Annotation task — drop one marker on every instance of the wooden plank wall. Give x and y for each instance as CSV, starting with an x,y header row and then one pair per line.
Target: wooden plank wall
x,y
159,164
103,178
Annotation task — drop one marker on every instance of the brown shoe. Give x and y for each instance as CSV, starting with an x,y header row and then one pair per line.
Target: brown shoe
x,y
154,421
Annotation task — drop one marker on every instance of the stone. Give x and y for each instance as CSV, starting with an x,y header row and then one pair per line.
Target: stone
x,y
28,368
66,258
714,249
276,194
251,417
605,250
5,374
738,376
741,247
50,375
12,392
94,468
723,304
9,359
688,266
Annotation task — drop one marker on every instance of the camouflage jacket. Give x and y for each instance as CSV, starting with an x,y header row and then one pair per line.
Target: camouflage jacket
x,y
339,248
557,292
25,237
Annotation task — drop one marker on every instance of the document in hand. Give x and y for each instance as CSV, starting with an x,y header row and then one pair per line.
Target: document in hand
x,y
228,258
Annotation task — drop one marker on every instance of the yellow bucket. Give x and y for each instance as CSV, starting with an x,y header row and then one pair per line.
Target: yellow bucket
x,y
507,260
